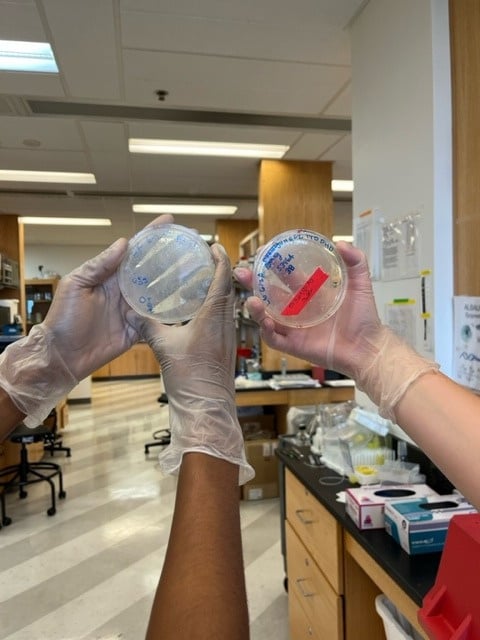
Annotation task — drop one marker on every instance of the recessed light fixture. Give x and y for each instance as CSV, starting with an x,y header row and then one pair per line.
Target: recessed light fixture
x,y
342,185
47,176
75,222
197,148
188,209
17,55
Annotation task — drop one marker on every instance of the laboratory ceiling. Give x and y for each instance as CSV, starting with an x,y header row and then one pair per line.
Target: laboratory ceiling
x,y
249,71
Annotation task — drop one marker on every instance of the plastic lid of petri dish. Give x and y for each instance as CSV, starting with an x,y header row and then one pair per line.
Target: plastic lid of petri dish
x,y
300,277
166,273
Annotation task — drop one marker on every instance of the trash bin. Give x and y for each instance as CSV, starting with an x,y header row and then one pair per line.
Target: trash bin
x,y
397,627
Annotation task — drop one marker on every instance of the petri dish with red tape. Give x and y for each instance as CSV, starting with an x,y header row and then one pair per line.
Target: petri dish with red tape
x,y
300,277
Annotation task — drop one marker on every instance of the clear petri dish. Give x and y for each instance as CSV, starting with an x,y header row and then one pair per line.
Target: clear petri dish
x,y
300,277
166,273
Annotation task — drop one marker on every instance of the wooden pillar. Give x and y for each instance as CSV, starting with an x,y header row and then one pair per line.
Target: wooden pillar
x,y
292,195
465,56
231,232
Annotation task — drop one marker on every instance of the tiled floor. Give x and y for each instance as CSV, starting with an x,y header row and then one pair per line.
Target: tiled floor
x,y
90,571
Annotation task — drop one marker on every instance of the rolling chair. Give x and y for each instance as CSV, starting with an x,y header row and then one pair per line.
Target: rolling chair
x,y
18,476
53,440
162,436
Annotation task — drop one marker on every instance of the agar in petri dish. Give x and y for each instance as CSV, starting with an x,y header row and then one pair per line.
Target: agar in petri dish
x,y
300,277
166,273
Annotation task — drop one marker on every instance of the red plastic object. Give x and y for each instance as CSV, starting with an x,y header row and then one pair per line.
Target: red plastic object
x,y
451,609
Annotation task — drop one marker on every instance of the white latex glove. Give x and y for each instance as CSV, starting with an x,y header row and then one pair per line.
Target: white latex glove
x,y
198,367
353,341
85,327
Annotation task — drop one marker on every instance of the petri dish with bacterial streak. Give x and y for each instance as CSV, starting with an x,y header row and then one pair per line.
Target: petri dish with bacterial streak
x,y
300,277
166,273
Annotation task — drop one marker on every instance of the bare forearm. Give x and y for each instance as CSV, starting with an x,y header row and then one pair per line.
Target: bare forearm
x,y
444,420
10,416
201,593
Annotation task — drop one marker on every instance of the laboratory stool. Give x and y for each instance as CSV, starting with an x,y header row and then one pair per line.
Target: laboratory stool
x,y
18,476
53,440
160,439
162,436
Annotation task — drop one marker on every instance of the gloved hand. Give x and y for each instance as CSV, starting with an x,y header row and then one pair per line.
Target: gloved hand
x,y
353,341
198,365
85,327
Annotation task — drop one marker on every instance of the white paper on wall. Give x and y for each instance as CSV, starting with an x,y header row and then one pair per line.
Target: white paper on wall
x,y
466,335
400,315
367,232
400,248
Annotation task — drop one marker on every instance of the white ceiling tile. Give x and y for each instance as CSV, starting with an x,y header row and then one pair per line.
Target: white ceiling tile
x,y
310,146
21,21
52,133
341,106
39,160
31,84
335,13
175,174
341,156
109,154
300,40
84,42
219,133
230,83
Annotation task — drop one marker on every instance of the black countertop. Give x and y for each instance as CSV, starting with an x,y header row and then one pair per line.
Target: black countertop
x,y
414,574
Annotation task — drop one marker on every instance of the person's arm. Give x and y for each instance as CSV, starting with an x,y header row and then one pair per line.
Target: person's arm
x,y
202,587
86,326
443,419
11,416
201,593
438,414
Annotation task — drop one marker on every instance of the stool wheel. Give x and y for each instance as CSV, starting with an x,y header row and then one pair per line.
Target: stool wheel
x,y
62,494
23,494
6,521
52,511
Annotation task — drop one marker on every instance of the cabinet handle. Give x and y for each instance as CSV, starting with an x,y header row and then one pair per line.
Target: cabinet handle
x,y
302,518
305,593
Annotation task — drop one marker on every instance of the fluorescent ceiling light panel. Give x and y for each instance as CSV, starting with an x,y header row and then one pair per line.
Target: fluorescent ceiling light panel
x,y
63,177
342,185
189,209
35,57
196,148
75,222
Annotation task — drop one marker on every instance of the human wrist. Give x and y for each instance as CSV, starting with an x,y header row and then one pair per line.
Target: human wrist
x,y
34,375
394,367
204,424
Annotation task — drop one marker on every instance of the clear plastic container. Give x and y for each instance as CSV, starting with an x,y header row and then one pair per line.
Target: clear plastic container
x,y
300,277
166,273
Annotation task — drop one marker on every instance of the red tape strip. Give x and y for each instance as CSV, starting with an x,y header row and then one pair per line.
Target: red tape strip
x,y
306,293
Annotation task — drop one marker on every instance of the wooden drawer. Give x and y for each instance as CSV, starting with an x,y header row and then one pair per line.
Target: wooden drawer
x,y
307,584
317,529
300,627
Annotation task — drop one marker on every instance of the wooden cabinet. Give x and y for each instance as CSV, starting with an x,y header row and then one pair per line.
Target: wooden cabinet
x,y
314,566
12,249
39,294
332,579
138,361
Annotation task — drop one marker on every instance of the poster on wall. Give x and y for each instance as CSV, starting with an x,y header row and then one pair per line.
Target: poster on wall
x,y
466,332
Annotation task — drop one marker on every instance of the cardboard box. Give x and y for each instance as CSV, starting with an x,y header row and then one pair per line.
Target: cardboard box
x,y
258,427
261,455
365,505
420,525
